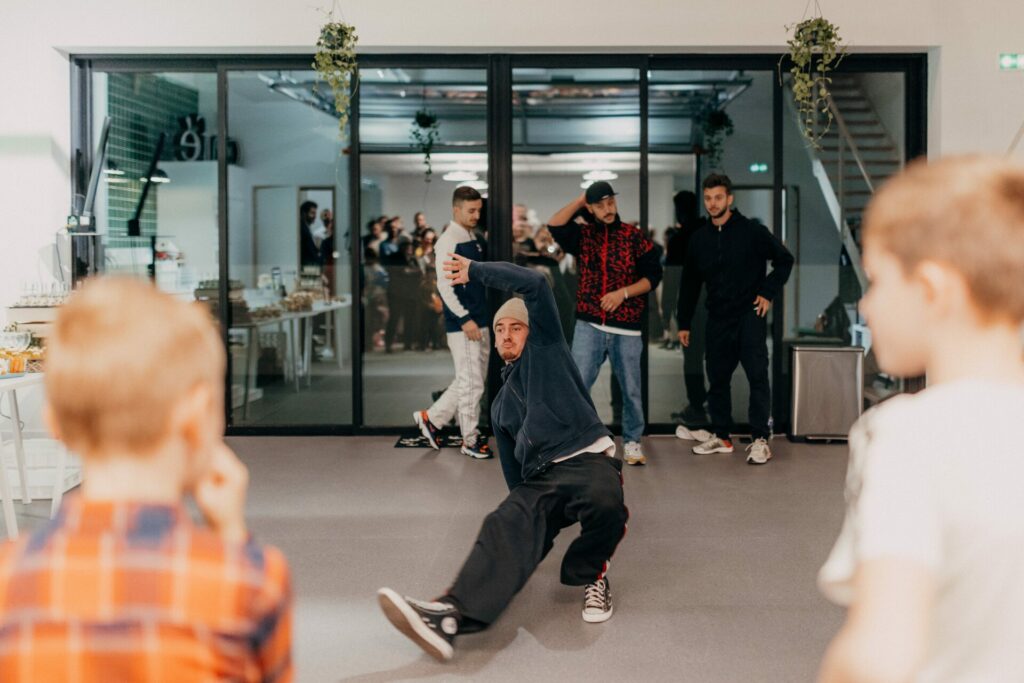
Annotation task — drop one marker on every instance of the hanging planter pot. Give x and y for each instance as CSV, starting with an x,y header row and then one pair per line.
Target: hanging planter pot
x,y
335,65
424,132
717,127
815,50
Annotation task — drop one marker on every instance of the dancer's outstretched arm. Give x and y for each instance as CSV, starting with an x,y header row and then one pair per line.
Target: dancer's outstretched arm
x,y
545,326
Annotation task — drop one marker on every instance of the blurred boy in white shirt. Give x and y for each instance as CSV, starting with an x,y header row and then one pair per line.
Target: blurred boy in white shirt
x,y
930,559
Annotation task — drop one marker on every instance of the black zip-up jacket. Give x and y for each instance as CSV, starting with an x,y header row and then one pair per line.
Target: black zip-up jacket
x,y
731,261
542,411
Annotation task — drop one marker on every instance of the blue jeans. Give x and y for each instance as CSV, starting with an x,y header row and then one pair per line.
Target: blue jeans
x,y
590,346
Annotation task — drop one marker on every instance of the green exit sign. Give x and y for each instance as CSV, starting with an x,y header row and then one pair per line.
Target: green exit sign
x,y
1010,61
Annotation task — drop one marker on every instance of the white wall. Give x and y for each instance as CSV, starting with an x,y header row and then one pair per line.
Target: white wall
x,y
885,90
972,105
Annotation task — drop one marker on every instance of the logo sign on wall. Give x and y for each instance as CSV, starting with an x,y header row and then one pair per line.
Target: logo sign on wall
x,y
192,144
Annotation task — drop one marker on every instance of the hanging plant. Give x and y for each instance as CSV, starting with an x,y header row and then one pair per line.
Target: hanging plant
x,y
717,127
815,50
424,132
335,64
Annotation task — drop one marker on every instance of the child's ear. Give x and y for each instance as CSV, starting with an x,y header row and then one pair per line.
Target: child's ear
x,y
944,288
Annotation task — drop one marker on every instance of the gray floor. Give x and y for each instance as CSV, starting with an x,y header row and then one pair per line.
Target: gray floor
x,y
713,582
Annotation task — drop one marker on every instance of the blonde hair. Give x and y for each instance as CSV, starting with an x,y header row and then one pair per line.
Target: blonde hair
x,y
120,358
966,212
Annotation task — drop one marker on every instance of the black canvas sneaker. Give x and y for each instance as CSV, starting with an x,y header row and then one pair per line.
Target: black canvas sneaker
x,y
597,601
431,625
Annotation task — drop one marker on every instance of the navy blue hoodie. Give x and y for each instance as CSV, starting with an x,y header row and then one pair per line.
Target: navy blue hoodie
x,y
543,411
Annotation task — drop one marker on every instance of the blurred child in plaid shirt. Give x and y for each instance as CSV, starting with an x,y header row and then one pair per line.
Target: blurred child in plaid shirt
x,y
122,585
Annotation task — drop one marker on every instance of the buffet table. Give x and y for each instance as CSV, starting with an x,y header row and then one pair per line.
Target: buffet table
x,y
293,323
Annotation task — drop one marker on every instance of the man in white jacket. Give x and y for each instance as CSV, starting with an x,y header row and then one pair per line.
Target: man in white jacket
x,y
467,322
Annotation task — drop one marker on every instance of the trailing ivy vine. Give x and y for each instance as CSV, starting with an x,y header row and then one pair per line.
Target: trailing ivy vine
x,y
424,132
815,50
335,64
717,127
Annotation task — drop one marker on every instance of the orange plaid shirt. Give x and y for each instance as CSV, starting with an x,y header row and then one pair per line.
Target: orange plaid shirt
x,y
135,592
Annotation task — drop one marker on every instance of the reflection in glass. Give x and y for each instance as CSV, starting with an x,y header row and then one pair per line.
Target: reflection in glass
x,y
407,363
168,191
290,316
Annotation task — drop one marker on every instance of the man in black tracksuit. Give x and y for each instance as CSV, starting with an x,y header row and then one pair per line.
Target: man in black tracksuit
x,y
558,461
729,254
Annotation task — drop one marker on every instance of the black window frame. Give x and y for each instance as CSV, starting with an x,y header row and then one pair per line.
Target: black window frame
x,y
499,66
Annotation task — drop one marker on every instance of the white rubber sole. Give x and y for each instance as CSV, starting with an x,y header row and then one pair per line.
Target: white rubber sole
x,y
709,451
405,619
598,617
475,456
751,461
418,419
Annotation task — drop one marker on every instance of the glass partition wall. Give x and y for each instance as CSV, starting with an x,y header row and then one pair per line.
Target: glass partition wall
x,y
256,205
422,133
289,252
571,127
690,139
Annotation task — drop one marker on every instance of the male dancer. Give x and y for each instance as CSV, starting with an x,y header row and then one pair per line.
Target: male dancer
x,y
558,461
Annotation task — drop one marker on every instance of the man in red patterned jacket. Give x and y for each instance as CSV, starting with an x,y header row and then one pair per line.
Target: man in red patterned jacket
x,y
618,266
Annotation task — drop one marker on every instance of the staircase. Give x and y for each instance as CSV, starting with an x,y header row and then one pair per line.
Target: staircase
x,y
879,154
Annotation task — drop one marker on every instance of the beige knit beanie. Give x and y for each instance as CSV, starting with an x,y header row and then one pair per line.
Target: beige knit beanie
x,y
513,308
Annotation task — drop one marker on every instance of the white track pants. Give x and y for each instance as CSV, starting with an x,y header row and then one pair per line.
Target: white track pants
x,y
462,397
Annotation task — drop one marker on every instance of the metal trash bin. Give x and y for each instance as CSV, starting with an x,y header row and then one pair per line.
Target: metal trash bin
x,y
828,391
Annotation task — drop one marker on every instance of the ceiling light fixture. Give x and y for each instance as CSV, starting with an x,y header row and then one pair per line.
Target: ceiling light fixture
x,y
460,176
600,175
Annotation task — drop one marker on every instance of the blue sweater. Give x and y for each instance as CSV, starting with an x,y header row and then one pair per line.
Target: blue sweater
x,y
543,411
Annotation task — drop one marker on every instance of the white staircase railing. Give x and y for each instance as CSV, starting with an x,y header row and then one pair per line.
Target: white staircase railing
x,y
836,199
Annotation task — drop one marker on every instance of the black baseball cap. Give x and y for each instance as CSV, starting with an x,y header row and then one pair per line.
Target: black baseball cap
x,y
597,191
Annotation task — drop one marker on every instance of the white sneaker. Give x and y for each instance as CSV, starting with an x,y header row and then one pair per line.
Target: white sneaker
x,y
597,602
714,445
682,432
634,456
759,453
